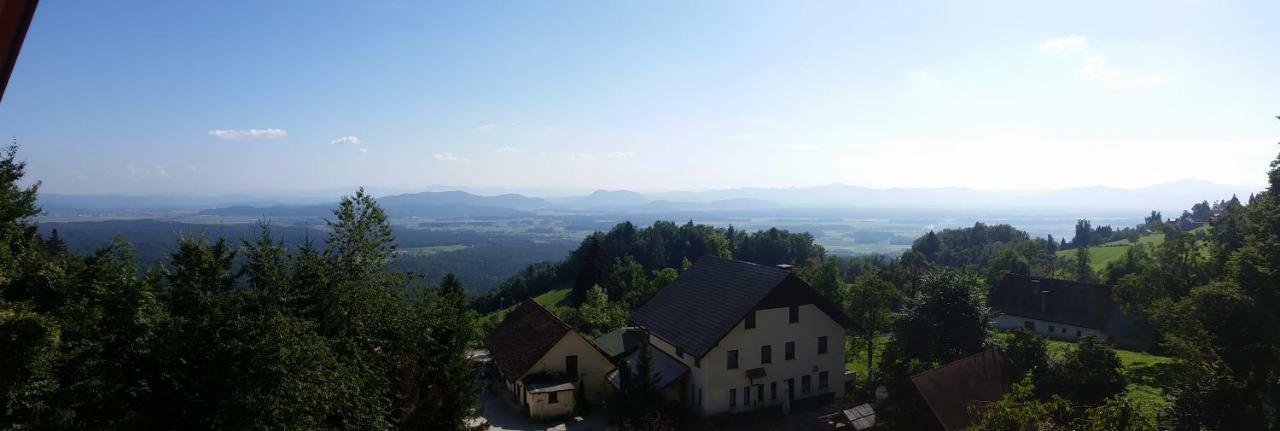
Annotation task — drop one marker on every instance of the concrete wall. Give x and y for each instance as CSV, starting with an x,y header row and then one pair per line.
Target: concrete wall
x,y
1059,331
592,365
773,328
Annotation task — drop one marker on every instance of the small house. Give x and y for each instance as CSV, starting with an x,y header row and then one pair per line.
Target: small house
x,y
542,361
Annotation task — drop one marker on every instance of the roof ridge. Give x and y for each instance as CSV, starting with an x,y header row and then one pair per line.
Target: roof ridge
x,y
747,262
1061,280
957,362
548,313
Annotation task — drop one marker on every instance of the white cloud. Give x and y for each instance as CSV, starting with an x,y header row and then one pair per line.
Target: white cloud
x,y
505,150
364,150
613,155
247,134
447,157
347,140
1096,67
486,127
1072,43
146,172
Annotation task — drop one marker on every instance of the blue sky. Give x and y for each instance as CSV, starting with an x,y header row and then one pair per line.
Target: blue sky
x,y
279,96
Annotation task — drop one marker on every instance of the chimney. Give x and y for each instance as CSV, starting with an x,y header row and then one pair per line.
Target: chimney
x,y
786,266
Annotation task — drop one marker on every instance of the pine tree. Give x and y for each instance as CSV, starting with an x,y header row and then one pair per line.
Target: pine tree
x,y
591,267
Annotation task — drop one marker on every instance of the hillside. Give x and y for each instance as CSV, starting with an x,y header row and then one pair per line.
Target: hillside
x,y
1100,255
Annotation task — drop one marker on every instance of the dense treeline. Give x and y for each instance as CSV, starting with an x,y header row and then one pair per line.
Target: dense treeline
x,y
991,250
308,338
631,263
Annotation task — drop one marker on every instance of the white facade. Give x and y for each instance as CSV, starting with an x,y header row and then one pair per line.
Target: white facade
x,y
711,381
1055,330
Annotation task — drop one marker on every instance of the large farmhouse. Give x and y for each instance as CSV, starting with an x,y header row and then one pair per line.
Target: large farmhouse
x,y
1064,310
541,360
752,336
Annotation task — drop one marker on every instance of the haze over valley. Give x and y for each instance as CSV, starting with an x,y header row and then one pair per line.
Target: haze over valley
x,y
485,235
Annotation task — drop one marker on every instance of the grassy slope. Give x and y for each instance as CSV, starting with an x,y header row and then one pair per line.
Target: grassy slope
x,y
1148,375
554,298
551,300
1100,255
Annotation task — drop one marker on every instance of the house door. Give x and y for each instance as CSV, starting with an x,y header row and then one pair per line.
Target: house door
x,y
571,367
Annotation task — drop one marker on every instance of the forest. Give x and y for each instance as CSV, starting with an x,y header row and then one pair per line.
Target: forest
x,y
224,335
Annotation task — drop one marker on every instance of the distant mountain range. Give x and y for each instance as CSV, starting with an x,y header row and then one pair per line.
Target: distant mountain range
x,y
1169,197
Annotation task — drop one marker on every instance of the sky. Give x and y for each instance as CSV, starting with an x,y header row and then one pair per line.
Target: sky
x,y
134,97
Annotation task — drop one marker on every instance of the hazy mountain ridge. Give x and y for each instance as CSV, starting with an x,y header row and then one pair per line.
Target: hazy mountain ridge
x,y
1168,197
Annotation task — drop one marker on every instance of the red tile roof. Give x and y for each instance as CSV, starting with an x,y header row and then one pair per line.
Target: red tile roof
x,y
520,340
949,390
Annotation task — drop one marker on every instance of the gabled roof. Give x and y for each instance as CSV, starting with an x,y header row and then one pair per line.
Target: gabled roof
x,y
706,301
949,390
665,367
523,337
621,341
1080,304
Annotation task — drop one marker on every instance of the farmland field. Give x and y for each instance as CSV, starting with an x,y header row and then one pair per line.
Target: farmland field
x,y
1100,255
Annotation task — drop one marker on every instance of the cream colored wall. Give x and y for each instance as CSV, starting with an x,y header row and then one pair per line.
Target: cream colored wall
x,y
773,328
540,406
1060,331
592,365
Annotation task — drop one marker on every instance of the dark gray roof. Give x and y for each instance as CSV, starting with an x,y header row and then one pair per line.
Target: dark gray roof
x,y
1061,301
620,341
667,369
862,416
706,301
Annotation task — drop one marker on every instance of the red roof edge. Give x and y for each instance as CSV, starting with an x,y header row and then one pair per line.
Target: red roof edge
x,y
15,19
